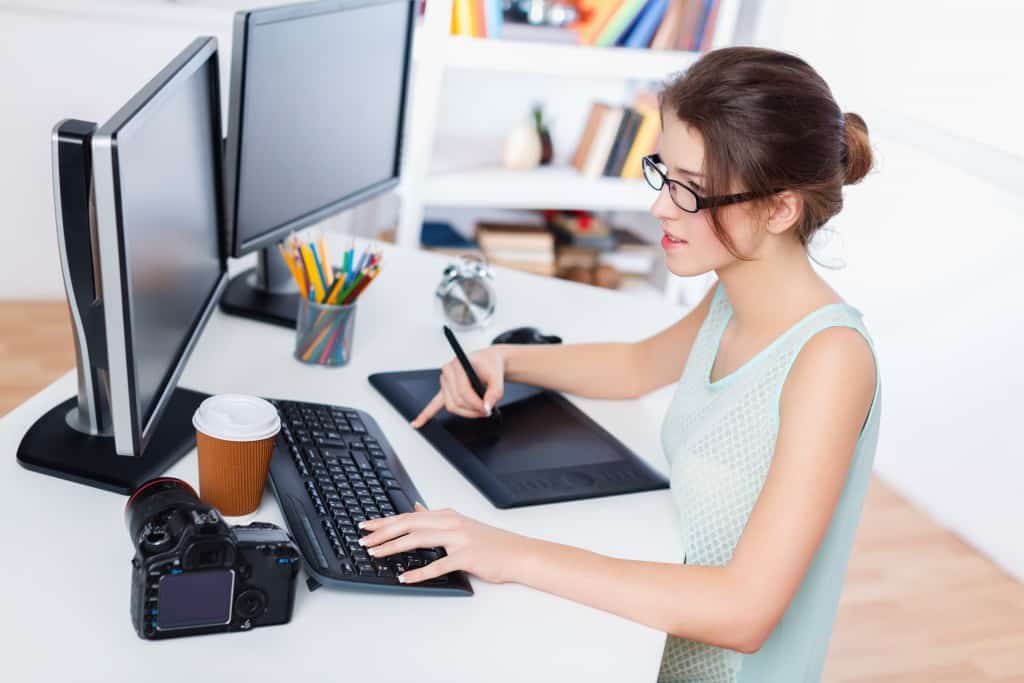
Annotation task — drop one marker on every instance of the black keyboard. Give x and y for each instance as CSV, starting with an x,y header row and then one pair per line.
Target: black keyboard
x,y
331,469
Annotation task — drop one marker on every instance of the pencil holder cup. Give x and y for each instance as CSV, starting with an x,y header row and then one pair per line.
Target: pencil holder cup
x,y
323,333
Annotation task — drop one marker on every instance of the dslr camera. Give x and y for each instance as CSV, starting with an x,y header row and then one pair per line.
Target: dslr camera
x,y
194,574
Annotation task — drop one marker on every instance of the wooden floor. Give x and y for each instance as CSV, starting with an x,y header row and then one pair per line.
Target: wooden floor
x,y
919,606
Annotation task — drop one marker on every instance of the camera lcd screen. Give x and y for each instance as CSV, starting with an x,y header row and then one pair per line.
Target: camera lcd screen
x,y
195,599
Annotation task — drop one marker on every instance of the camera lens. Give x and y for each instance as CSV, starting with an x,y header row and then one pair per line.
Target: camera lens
x,y
153,497
250,603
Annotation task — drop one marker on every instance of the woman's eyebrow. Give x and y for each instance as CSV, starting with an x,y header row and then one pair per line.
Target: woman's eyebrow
x,y
680,169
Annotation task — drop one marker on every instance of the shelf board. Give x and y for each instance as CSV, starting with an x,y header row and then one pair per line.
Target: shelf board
x,y
558,187
562,60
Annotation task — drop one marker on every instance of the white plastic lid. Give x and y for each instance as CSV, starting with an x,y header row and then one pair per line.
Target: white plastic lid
x,y
237,417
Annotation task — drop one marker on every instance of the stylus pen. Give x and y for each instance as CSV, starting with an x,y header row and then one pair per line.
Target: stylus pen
x,y
478,386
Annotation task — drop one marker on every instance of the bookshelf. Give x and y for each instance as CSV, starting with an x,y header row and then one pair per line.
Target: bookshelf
x,y
436,52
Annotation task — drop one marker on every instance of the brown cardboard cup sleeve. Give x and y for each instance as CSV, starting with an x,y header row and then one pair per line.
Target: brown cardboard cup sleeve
x,y
235,437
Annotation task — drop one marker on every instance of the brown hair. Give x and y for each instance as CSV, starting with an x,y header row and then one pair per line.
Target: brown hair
x,y
769,122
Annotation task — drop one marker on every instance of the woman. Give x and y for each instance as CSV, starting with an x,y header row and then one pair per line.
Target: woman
x,y
771,433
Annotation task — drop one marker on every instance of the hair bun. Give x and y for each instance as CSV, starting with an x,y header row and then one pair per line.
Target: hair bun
x,y
857,156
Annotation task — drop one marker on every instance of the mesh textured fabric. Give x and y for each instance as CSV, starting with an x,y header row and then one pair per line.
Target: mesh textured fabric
x,y
719,438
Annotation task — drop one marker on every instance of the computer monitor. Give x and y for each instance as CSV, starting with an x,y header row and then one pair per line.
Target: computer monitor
x,y
315,126
139,214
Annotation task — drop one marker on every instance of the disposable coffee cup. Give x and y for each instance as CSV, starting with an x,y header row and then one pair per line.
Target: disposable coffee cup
x,y
235,437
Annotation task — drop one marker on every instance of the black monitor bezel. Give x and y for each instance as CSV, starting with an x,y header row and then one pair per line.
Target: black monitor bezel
x,y
244,20
132,432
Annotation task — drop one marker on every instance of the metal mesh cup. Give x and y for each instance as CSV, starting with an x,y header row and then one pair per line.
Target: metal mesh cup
x,y
323,333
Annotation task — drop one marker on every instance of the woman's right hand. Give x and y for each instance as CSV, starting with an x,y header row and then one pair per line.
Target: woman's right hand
x,y
457,395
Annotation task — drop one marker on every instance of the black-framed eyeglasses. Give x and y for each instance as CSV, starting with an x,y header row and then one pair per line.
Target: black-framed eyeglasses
x,y
656,175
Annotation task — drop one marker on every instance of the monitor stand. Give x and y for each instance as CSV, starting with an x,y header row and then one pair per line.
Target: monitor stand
x,y
52,446
266,293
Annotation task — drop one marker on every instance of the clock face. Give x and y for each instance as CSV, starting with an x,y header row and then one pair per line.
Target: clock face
x,y
468,302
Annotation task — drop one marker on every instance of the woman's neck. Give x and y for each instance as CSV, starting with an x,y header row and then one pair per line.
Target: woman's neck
x,y
772,293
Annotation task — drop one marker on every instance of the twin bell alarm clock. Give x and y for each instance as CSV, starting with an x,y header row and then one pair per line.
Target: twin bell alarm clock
x,y
466,293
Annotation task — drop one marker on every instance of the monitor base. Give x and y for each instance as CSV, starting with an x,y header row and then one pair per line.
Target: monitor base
x,y
52,447
243,298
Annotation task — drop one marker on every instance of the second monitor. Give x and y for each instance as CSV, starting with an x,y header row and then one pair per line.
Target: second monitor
x,y
315,123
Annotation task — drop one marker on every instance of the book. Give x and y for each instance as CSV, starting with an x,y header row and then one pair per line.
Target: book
x,y
646,25
569,256
708,30
514,236
668,32
580,229
688,26
597,110
479,18
632,255
597,157
535,268
442,238
619,22
442,234
462,17
495,18
631,120
594,15
644,142
526,247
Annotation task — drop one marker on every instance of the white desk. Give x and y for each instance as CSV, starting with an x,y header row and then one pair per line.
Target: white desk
x,y
64,582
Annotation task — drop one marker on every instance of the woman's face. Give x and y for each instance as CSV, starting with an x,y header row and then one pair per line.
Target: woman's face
x,y
698,250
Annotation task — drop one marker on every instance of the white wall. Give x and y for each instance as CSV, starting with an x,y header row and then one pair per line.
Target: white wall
x,y
935,241
68,60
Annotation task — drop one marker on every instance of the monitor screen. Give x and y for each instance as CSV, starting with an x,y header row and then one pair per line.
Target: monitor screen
x,y
157,164
317,100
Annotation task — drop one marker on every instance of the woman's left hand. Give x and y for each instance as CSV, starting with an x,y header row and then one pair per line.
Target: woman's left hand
x,y
484,551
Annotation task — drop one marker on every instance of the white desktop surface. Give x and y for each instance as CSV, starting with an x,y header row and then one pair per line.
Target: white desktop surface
x,y
65,577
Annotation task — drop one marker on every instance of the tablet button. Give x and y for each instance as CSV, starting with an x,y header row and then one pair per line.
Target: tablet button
x,y
578,479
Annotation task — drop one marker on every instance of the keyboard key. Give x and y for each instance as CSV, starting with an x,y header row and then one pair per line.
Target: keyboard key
x,y
400,500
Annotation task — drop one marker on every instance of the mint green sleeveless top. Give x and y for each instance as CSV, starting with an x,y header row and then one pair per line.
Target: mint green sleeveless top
x,y
719,438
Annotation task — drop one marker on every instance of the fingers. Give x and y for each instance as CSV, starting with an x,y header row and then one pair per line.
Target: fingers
x,y
433,570
452,404
495,390
423,538
464,391
386,528
432,409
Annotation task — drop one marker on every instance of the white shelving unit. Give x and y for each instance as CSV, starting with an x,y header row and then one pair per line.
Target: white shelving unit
x,y
435,51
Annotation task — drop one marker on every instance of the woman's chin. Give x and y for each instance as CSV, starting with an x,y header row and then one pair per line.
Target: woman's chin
x,y
684,269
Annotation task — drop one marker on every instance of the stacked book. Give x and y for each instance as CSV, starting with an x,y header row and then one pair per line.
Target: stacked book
x,y
477,18
520,246
632,257
616,137
656,24
443,238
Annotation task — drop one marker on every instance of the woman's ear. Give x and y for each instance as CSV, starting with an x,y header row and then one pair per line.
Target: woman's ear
x,y
784,212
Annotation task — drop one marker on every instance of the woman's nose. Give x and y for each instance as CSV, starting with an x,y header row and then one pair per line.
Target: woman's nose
x,y
664,208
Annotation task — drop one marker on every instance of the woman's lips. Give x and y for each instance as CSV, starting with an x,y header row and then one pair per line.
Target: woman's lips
x,y
669,241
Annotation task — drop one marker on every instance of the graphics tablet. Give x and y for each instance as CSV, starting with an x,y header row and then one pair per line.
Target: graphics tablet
x,y
542,450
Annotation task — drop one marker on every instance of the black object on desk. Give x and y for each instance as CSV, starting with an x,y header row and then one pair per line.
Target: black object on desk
x,y
526,335
333,468
546,450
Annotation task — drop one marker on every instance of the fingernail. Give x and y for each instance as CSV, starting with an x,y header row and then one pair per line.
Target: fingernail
x,y
401,578
362,541
371,552
361,525
487,409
